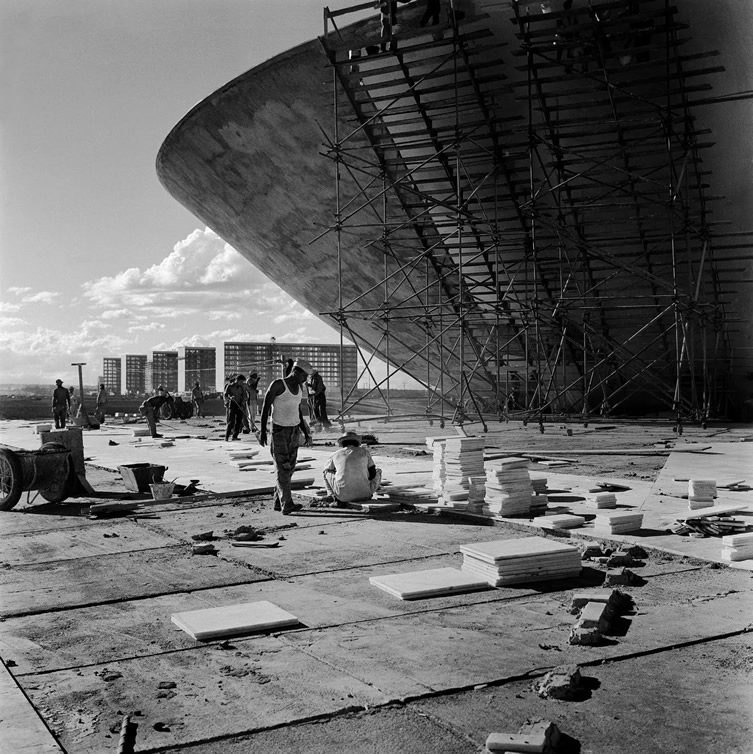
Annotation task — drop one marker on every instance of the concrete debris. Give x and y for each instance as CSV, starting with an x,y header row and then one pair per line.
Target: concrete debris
x,y
589,637
538,736
595,551
564,682
205,549
622,577
205,536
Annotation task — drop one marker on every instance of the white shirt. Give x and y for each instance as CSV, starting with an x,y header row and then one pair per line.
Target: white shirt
x,y
351,467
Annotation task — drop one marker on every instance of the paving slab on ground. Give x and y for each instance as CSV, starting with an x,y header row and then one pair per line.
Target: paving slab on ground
x,y
257,684
82,542
22,731
47,641
376,731
85,581
484,643
628,706
92,639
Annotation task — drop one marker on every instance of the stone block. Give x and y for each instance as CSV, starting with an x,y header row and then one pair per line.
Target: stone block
x,y
561,683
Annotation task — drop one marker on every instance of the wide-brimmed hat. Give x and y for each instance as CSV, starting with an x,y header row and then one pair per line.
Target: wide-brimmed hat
x,y
304,366
58,382
349,436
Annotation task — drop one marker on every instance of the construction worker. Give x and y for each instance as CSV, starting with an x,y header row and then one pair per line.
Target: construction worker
x,y
351,474
252,386
197,398
282,402
236,405
61,402
101,403
151,406
318,398
74,404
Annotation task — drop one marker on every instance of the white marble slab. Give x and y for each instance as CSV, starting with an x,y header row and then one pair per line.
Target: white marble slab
x,y
233,620
430,583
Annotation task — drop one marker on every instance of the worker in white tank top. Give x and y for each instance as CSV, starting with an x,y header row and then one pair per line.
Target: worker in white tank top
x,y
282,402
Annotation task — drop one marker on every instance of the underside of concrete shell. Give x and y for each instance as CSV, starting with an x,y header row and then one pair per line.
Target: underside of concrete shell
x,y
534,207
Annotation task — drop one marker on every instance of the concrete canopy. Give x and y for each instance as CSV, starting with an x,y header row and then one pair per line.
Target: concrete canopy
x,y
568,294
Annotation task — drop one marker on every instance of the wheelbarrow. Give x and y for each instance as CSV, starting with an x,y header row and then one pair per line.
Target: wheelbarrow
x,y
48,470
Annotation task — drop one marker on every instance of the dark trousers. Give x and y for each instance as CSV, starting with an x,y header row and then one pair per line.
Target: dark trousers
x,y
59,414
284,449
320,409
234,421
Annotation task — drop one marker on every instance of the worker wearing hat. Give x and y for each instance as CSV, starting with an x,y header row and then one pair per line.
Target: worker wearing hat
x,y
61,402
282,402
351,474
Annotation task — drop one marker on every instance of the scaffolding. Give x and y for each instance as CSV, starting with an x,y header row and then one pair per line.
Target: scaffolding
x,y
538,210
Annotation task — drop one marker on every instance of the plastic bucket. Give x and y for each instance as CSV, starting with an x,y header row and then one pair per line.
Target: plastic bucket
x,y
162,490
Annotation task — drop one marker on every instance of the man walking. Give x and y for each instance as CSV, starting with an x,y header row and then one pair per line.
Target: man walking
x,y
101,403
319,398
61,401
197,398
283,402
235,402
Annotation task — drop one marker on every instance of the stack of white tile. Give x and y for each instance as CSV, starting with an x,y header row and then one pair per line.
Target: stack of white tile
x,y
539,485
602,500
737,547
516,561
508,488
617,523
701,493
455,460
476,493
560,520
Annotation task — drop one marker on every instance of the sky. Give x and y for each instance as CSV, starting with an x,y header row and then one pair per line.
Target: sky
x,y
96,258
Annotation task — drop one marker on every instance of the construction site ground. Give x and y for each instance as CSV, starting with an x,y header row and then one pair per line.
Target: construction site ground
x,y
86,636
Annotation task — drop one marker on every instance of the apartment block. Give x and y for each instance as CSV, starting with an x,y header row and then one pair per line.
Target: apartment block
x,y
133,374
268,359
197,364
111,374
162,369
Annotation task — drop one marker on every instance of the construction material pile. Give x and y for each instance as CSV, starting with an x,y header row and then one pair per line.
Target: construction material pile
x,y
518,561
622,522
508,488
701,493
737,547
455,460
602,500
710,522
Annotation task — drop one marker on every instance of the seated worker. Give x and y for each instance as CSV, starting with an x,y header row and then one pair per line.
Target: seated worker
x,y
351,474
151,406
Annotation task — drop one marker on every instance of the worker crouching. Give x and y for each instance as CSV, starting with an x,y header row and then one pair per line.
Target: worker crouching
x,y
351,474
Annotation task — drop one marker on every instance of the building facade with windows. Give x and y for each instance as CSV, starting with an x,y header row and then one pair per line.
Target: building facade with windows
x,y
197,364
162,369
111,374
268,359
133,374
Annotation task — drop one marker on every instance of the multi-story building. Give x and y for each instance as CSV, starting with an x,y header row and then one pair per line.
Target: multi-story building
x,y
111,374
268,359
162,369
197,364
133,374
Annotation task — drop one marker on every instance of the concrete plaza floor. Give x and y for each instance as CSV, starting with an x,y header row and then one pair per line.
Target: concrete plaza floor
x,y
86,635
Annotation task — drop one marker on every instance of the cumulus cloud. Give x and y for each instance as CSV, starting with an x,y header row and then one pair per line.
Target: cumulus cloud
x,y
43,297
18,290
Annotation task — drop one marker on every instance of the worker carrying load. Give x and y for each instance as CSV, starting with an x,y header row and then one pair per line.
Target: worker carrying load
x,y
351,474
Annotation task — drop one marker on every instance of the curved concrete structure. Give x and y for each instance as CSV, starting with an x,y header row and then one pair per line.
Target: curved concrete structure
x,y
250,162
